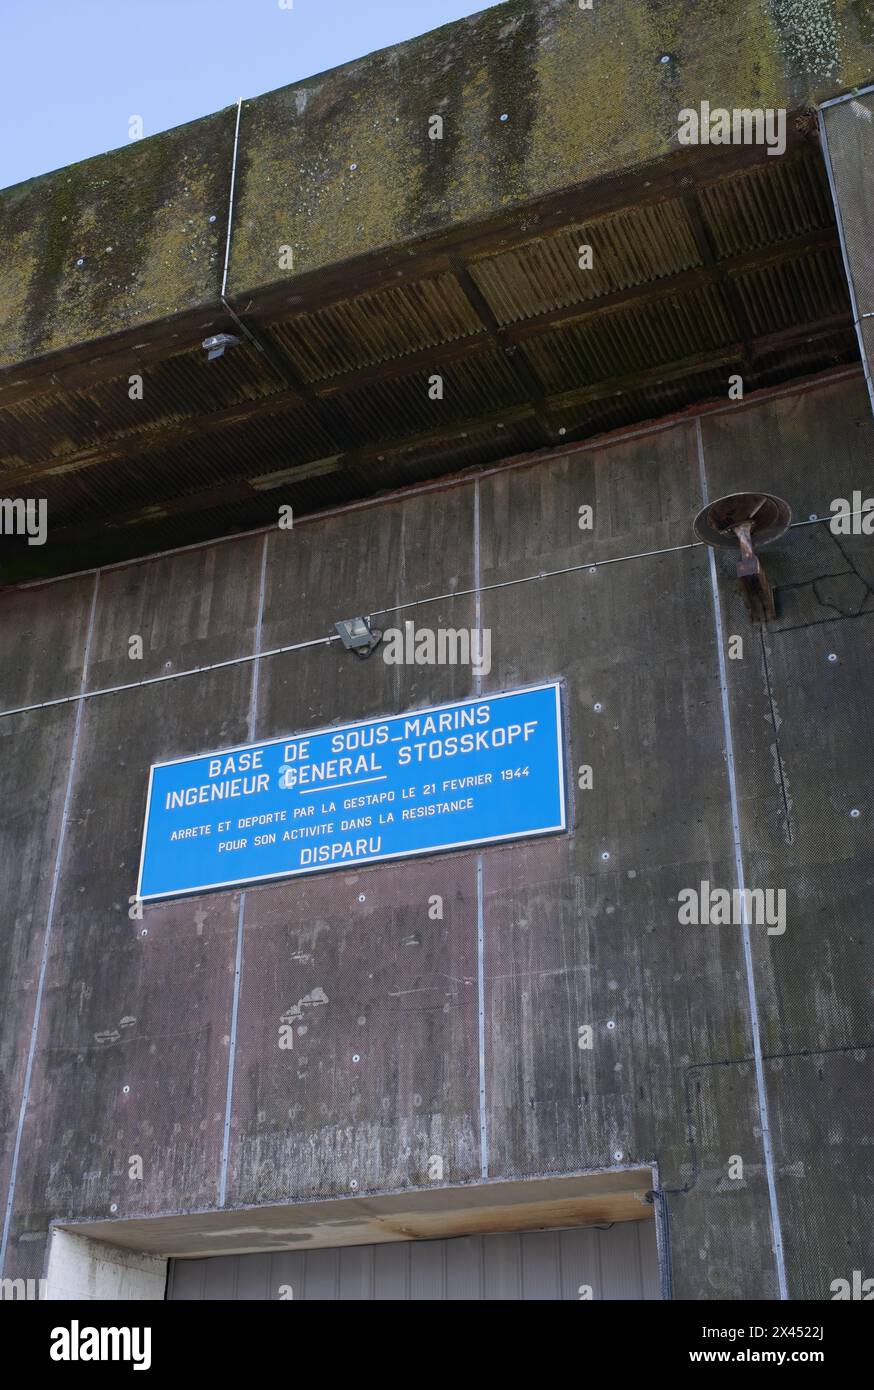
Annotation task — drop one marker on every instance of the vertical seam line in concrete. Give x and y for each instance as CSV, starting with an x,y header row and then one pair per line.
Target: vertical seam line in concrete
x,y
481,1019
241,914
259,624
477,586
231,201
44,957
480,915
737,843
857,317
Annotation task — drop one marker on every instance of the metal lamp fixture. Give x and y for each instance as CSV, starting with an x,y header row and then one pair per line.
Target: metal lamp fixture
x,y
216,345
358,636
742,521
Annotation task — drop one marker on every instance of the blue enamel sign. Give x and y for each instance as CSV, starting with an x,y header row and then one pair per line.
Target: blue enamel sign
x,y
457,775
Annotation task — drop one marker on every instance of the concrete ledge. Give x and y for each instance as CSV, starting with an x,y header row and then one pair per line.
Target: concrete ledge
x,y
584,1199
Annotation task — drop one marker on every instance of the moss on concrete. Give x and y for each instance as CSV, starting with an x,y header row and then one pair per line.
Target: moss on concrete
x,y
317,167
115,241
858,16
584,93
341,164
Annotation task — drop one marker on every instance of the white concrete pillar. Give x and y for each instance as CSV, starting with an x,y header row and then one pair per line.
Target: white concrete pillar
x,y
80,1268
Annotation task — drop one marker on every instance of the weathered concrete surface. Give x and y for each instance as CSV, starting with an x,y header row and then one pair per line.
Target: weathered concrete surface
x,y
584,93
122,1008
42,648
570,938
314,1120
849,135
341,164
850,131
194,608
42,641
138,219
383,1072
803,726
574,938
447,1210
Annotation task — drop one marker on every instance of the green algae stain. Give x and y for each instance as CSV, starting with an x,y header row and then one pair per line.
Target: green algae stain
x,y
31,218
120,239
745,31
432,85
855,23
323,169
600,92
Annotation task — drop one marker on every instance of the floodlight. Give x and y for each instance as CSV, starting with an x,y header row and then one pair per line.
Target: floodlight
x,y
215,346
358,636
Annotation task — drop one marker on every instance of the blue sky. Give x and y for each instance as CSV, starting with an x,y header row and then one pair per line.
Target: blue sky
x,y
75,71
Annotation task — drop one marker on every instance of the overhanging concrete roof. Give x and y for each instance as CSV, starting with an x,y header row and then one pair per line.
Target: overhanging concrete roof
x,y
456,256
341,164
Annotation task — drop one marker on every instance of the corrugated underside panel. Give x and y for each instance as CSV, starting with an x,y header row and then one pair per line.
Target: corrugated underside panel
x,y
786,198
115,470
629,340
617,1264
376,328
676,392
173,390
629,249
244,450
795,291
390,409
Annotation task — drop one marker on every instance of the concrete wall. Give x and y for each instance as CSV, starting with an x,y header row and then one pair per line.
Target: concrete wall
x,y
570,937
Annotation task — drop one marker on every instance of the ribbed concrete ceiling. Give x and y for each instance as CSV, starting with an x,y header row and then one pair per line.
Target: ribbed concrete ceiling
x,y
694,278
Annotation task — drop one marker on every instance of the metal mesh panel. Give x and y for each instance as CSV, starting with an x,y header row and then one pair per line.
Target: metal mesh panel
x,y
849,128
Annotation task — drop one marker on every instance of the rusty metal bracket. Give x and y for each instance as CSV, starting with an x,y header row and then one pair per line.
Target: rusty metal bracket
x,y
742,521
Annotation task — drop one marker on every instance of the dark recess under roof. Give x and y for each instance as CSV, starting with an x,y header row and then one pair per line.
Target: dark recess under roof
x,y
706,264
